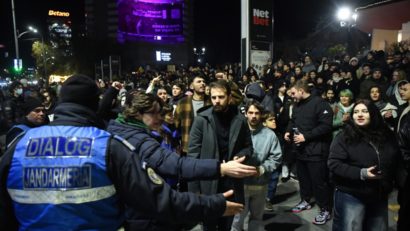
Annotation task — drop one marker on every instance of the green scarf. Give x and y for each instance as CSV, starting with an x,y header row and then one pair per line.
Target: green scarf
x,y
130,121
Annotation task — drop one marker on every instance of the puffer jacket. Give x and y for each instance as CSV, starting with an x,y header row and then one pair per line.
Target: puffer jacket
x,y
346,161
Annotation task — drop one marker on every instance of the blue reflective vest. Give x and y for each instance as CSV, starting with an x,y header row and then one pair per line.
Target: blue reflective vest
x,y
22,127
58,180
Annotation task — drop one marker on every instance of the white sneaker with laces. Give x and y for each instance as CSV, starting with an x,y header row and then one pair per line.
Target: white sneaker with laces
x,y
322,217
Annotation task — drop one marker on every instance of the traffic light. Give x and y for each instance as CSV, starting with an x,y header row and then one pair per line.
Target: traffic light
x,y
18,66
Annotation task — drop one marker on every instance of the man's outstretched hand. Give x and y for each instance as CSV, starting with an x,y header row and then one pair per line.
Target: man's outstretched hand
x,y
236,169
232,208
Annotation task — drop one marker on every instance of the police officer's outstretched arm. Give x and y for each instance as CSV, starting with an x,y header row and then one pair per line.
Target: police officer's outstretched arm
x,y
232,208
145,191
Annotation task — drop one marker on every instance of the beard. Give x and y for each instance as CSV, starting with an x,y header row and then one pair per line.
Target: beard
x,y
254,123
220,108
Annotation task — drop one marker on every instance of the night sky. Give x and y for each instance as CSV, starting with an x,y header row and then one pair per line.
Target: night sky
x,y
216,22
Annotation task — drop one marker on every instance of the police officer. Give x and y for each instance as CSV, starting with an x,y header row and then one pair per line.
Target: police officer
x,y
72,175
34,116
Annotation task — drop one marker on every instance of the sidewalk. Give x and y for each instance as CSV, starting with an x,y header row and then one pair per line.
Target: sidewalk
x,y
287,196
282,219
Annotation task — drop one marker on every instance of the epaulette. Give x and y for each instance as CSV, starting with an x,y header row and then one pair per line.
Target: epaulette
x,y
17,138
125,142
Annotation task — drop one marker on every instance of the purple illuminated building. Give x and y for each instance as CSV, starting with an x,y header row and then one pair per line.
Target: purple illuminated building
x,y
151,20
149,31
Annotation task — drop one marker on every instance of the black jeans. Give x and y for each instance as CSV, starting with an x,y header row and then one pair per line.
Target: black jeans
x,y
403,224
313,181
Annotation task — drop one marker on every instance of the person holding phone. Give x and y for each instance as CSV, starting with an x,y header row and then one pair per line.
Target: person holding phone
x,y
362,163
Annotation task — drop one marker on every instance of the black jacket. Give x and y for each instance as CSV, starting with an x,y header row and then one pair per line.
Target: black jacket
x,y
135,189
347,159
165,162
403,134
313,117
13,110
109,107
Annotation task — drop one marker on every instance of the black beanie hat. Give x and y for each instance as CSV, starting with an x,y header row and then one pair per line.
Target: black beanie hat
x,y
30,104
80,89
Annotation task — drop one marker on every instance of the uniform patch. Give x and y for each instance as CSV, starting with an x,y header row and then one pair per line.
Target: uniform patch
x,y
154,177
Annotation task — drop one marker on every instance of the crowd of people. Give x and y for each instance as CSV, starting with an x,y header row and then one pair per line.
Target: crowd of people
x,y
204,144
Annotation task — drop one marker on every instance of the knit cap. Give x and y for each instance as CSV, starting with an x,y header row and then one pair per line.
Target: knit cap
x,y
31,103
80,89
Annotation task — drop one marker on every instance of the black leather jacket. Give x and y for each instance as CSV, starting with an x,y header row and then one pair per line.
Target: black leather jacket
x,y
403,135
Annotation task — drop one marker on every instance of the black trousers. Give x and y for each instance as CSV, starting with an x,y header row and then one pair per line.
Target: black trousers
x,y
313,181
223,224
403,224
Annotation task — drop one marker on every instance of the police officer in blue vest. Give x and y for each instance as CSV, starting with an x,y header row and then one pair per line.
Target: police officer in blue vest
x,y
34,116
73,175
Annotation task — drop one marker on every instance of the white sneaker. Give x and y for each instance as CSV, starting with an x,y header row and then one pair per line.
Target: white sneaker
x,y
285,171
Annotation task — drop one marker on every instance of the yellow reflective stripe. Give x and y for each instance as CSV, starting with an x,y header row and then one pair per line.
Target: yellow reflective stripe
x,y
61,197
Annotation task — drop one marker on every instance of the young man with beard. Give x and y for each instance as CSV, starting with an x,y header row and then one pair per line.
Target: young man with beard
x,y
266,157
311,126
220,132
187,109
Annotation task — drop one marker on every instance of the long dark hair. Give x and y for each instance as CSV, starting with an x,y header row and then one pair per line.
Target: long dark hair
x,y
377,132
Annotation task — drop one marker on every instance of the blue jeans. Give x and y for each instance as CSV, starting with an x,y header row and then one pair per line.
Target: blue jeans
x,y
352,214
273,184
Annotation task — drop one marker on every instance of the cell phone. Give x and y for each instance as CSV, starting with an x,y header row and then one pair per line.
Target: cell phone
x,y
376,171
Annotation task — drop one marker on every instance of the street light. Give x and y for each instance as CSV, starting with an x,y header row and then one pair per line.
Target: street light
x,y
30,29
34,30
346,17
199,53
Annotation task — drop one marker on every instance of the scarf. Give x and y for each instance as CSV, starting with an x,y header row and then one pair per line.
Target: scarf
x,y
130,121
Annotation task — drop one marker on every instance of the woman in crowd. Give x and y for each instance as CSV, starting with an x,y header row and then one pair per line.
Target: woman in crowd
x,y
362,163
329,96
387,110
312,76
169,138
342,110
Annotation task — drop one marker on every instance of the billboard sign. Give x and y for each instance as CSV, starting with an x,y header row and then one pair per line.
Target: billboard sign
x,y
261,20
151,21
